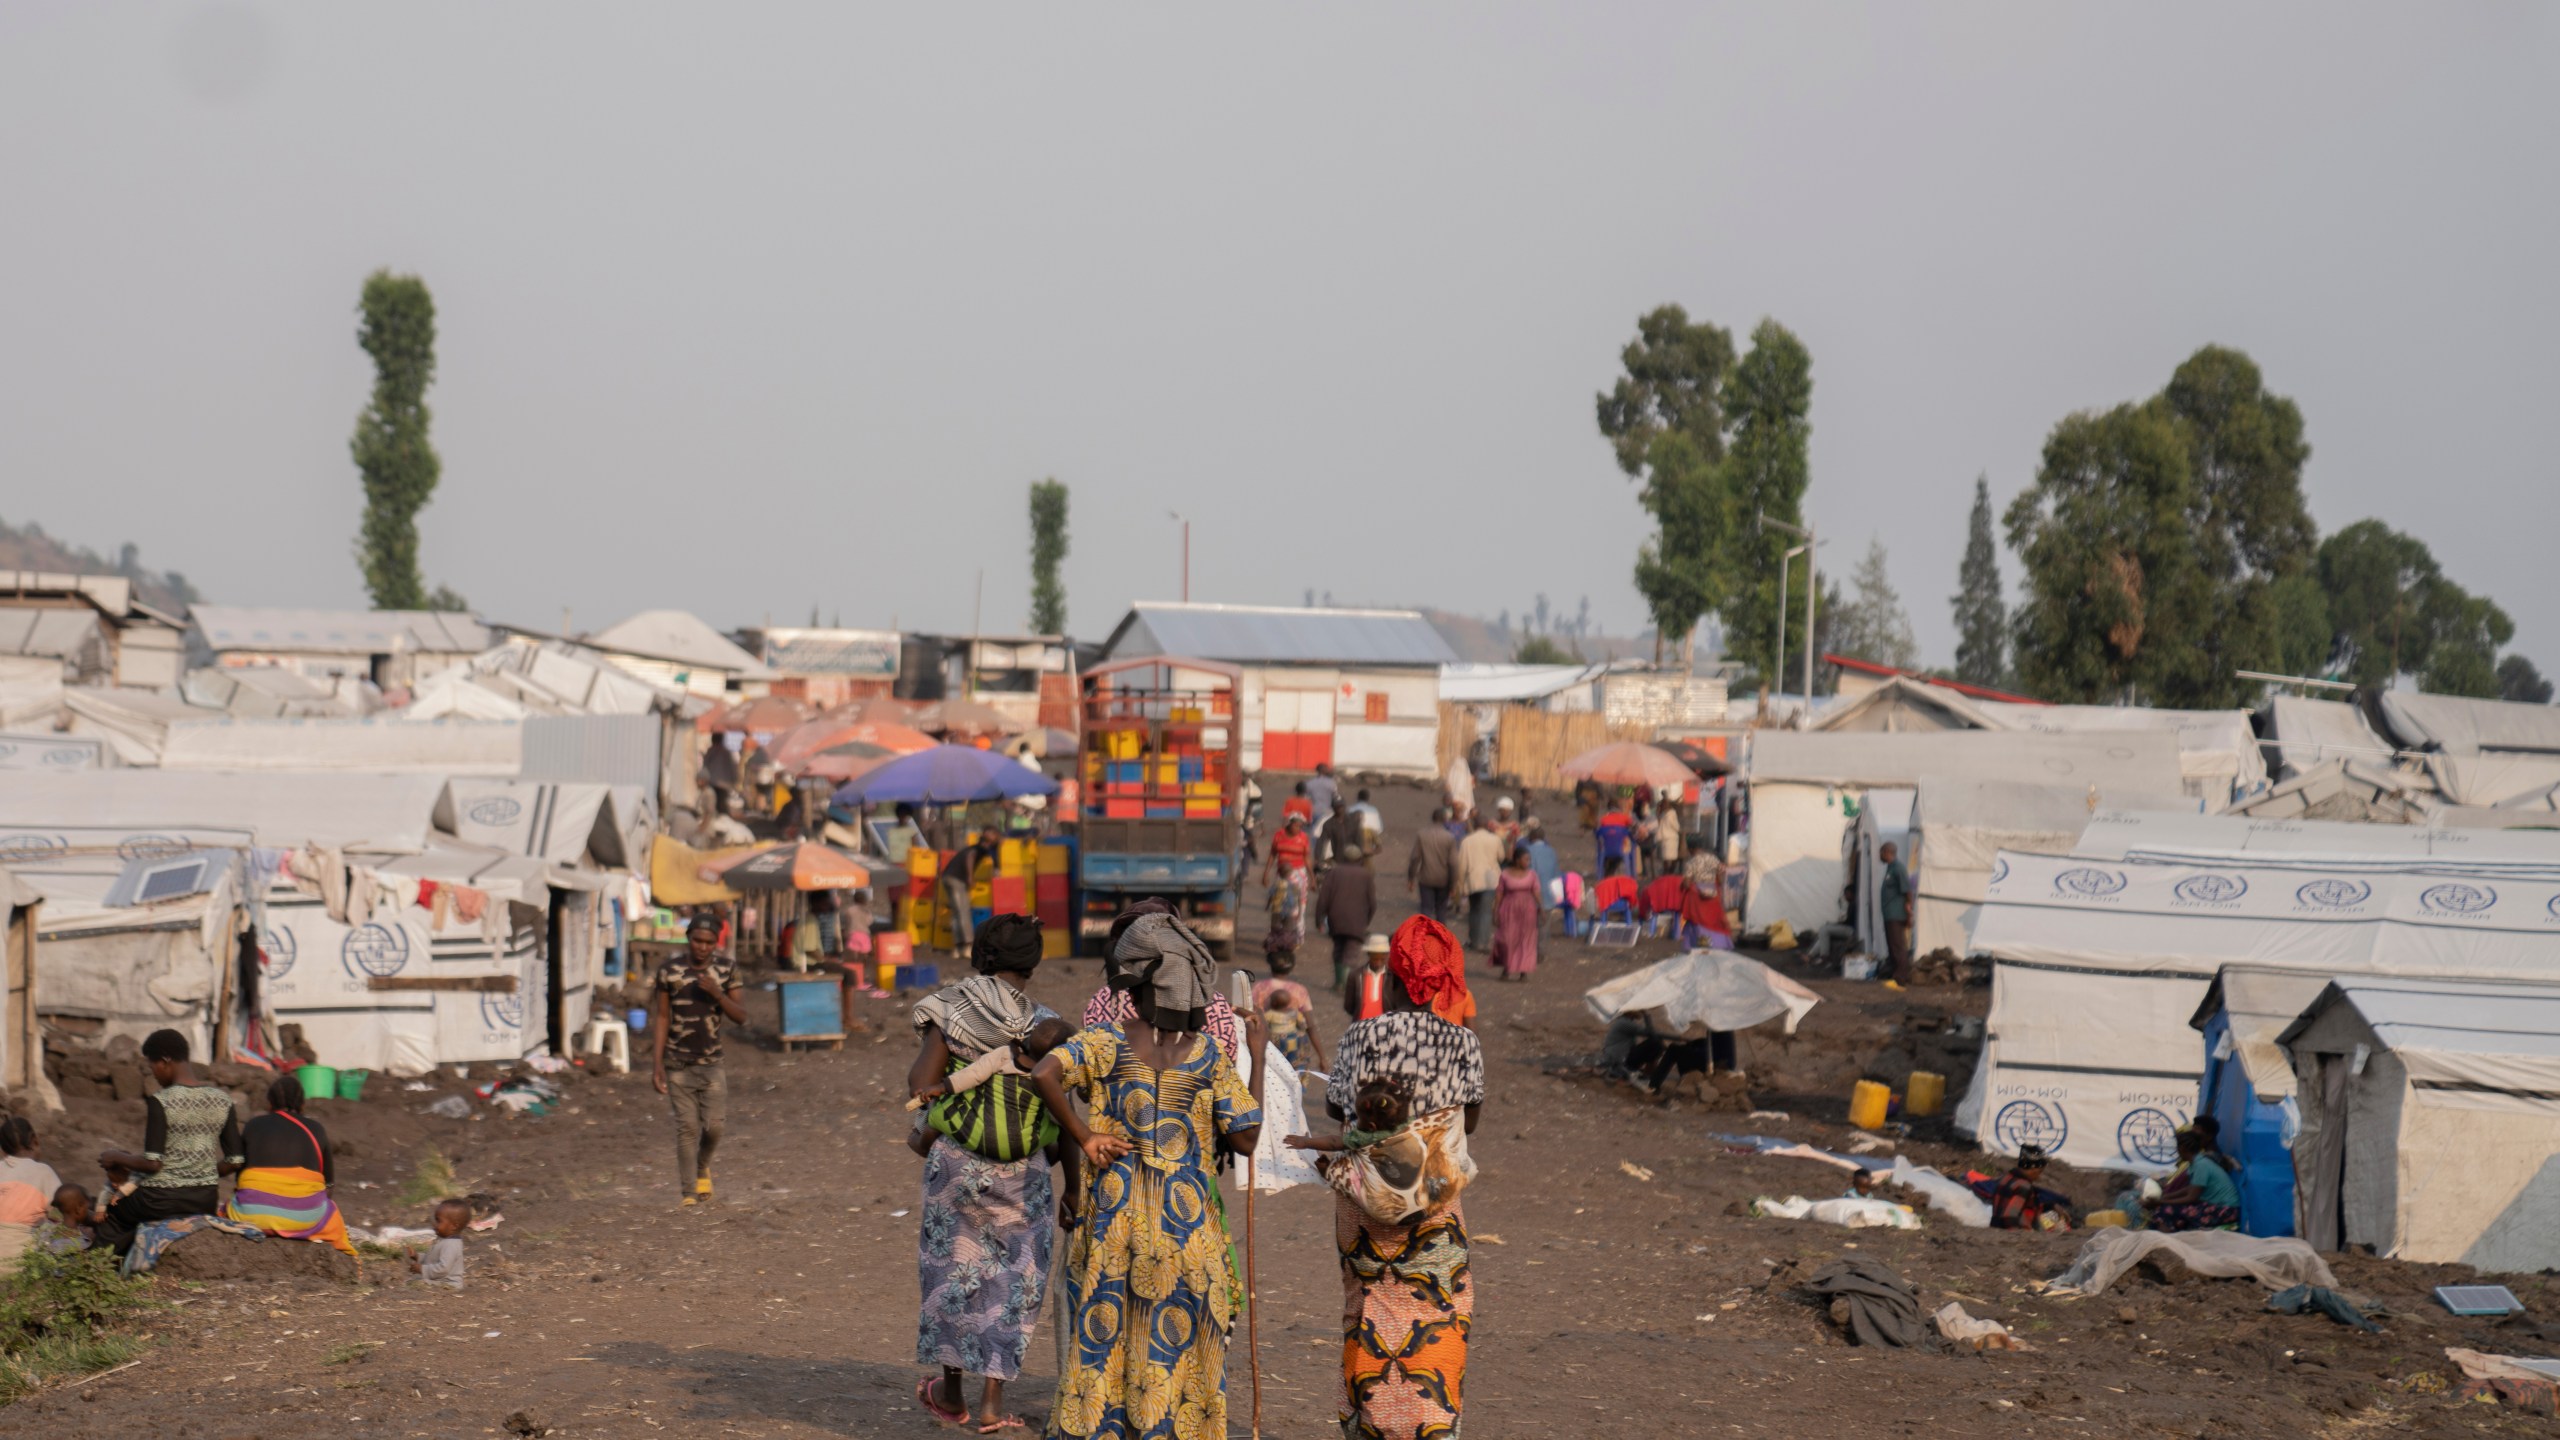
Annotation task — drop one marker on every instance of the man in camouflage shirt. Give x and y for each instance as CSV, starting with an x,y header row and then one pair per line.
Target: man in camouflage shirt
x,y
687,1006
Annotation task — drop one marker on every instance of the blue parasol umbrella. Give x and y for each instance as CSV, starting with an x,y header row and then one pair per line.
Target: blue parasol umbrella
x,y
946,775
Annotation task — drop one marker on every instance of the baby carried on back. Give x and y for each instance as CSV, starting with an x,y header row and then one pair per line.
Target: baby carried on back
x,y
1396,1166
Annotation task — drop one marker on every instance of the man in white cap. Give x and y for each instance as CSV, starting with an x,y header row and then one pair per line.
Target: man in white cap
x,y
1365,997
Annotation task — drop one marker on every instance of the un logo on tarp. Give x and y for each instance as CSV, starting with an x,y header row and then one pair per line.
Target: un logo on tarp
x,y
2149,1136
2459,899
2210,889
2030,1122
2089,883
378,950
494,810
280,950
2334,894
502,1012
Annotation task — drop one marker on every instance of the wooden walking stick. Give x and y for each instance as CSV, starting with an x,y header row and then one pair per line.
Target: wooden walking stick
x,y
1253,1305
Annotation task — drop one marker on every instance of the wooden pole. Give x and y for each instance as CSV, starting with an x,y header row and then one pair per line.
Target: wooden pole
x,y
1253,1305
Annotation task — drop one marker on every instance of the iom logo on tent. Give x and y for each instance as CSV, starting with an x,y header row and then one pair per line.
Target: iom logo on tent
x,y
2030,1122
2458,899
280,950
2333,894
2210,889
2552,907
377,950
495,810
31,847
502,1012
2088,884
150,847
2149,1136
64,757
1999,868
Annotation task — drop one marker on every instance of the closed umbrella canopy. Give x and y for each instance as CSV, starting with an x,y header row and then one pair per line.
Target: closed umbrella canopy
x,y
794,749
946,775
1628,763
803,866
1715,988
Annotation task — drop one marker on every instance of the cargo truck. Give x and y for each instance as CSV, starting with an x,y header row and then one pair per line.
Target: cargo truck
x,y
1157,813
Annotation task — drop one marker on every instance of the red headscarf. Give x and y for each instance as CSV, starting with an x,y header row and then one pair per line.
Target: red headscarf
x,y
1426,957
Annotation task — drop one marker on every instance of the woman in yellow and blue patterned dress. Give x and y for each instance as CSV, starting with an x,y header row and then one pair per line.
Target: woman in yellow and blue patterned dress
x,y
1152,1288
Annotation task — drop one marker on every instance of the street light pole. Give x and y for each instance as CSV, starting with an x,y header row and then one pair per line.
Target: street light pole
x,y
1811,598
1186,553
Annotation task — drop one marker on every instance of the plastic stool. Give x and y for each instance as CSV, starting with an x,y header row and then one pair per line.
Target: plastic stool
x,y
604,1033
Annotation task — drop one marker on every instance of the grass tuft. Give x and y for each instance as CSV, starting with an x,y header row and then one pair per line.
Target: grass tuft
x,y
62,1315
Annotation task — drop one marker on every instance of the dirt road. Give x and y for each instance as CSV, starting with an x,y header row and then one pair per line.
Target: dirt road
x,y
1608,1304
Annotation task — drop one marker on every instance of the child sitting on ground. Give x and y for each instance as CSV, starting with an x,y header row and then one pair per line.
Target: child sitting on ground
x,y
1863,1185
988,1105
442,1262
78,1214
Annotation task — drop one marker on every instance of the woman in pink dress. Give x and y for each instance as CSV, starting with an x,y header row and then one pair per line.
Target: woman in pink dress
x,y
1515,917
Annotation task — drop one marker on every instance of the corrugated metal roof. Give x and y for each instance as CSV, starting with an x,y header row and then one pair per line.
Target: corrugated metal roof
x,y
55,632
832,652
1280,635
339,632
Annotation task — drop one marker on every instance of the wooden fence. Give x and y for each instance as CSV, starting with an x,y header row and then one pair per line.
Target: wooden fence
x,y
1530,743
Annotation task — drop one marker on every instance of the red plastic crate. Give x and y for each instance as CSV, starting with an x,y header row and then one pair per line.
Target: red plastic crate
x,y
1116,808
1005,897
1054,887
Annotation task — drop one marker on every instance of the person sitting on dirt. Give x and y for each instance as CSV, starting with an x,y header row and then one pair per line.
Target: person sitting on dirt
x,y
2209,1130
1863,1185
284,1189
19,1159
970,1107
2200,1195
2019,1200
190,1140
442,1263
76,1213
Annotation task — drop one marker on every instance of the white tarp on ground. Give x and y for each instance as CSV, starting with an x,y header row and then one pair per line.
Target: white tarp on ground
x,y
2431,1120
1800,783
2218,756
390,814
1959,828
2313,732
2155,836
1715,988
376,745
2088,1050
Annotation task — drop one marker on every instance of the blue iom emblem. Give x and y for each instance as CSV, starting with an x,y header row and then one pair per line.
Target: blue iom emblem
x,y
2458,899
502,1012
2334,894
32,847
495,810
377,950
281,952
2210,889
2088,883
2148,1135
150,847
2030,1122
1999,868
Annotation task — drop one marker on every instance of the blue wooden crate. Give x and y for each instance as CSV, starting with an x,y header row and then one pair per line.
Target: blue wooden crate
x,y
812,1007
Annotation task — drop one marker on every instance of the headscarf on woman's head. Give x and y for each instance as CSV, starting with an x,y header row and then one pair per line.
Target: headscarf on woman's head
x,y
1152,948
1128,916
1006,942
1425,957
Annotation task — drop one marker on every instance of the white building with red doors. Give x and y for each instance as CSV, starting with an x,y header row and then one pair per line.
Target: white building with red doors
x,y
1359,688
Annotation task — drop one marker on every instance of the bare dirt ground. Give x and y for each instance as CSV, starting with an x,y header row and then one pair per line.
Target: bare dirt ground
x,y
1607,1304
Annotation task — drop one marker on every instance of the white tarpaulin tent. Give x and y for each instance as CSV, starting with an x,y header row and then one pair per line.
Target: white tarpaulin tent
x,y
2310,733
2156,836
377,745
2101,965
1959,828
2218,757
1715,988
2431,1121
559,822
1801,784
390,814
133,969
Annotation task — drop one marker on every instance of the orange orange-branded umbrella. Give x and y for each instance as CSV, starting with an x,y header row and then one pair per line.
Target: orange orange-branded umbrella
x,y
1628,763
848,761
808,739
801,866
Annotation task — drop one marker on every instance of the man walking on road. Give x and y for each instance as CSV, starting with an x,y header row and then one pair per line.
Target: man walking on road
x,y
958,878
1432,870
692,998
1480,873
1324,793
1348,902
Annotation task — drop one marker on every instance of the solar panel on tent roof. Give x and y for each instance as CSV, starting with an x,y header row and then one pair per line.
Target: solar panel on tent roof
x,y
2478,1299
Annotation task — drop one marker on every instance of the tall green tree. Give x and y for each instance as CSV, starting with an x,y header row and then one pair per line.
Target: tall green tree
x,y
391,448
1982,617
2253,529
1770,402
1048,551
1872,625
2396,613
1664,420
2520,681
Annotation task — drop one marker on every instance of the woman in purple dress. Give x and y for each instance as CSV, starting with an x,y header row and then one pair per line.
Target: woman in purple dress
x,y
1515,917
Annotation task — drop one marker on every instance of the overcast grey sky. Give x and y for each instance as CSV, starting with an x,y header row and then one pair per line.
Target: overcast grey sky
x,y
746,308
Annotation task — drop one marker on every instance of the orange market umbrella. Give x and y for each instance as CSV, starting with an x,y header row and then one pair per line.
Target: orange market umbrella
x,y
810,738
801,866
1628,763
848,761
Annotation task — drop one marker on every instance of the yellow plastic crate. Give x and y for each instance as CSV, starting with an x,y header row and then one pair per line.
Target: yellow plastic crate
x,y
1053,860
1056,944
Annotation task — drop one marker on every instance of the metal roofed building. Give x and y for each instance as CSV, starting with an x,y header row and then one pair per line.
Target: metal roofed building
x,y
827,666
393,648
1358,688
92,625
